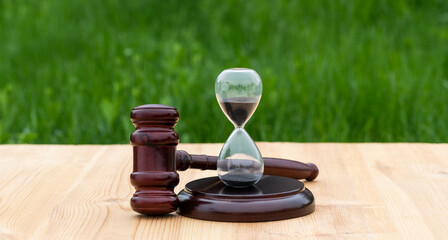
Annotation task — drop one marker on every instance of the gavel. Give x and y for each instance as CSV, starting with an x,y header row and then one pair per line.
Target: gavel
x,y
155,160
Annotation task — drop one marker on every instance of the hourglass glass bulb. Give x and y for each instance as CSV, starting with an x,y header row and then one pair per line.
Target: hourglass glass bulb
x,y
238,91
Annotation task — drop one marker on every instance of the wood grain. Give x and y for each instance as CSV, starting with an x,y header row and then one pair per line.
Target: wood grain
x,y
364,191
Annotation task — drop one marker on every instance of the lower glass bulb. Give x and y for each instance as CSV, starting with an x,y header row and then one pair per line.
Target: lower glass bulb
x,y
240,163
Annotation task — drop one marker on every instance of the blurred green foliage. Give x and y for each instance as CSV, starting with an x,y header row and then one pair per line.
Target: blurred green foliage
x,y
71,71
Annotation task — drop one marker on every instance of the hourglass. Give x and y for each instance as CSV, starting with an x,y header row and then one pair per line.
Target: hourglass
x,y
238,91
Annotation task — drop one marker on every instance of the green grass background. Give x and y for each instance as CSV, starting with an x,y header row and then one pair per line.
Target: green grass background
x,y
345,71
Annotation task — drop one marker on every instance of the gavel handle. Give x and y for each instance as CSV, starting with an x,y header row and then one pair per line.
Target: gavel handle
x,y
272,166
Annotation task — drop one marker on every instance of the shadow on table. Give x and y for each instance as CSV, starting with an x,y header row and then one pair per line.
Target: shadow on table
x,y
162,217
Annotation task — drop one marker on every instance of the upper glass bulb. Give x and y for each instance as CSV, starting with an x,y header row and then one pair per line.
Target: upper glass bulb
x,y
238,91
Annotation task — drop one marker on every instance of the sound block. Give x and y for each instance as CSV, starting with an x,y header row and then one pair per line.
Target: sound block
x,y
272,198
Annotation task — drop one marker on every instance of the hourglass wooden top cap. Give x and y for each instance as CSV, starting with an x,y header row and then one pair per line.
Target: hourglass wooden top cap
x,y
154,113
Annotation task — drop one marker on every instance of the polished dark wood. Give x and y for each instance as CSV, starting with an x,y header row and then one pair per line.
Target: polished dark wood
x,y
154,144
272,198
272,166
154,174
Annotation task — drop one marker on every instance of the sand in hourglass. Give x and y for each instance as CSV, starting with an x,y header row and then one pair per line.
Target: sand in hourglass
x,y
239,109
242,177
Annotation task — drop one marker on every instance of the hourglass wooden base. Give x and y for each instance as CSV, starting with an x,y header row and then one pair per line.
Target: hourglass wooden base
x,y
272,198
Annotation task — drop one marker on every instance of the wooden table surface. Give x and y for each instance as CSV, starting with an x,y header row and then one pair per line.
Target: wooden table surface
x,y
364,191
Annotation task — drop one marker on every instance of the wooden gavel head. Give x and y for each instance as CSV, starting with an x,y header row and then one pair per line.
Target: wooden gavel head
x,y
154,144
